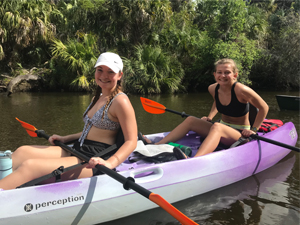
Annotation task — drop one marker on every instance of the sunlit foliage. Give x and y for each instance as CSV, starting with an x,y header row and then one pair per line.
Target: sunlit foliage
x,y
168,46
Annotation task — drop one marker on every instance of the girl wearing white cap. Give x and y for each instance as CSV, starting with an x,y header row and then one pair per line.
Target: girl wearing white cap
x,y
109,113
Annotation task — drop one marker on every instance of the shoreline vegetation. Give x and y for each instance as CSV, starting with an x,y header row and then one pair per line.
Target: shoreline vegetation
x,y
167,46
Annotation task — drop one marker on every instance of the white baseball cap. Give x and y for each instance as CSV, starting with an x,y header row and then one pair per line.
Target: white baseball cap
x,y
112,60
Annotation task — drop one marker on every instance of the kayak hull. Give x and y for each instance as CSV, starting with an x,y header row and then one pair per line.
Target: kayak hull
x,y
288,102
100,198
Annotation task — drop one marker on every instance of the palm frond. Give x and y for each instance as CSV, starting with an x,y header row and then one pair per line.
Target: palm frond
x,y
80,83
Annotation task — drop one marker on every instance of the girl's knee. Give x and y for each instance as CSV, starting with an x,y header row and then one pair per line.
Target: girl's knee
x,y
28,169
191,120
21,150
225,132
28,164
18,153
216,127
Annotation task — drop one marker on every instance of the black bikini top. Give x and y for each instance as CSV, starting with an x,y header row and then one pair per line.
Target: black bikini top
x,y
234,108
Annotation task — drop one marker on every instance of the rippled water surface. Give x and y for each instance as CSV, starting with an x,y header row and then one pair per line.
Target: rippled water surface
x,y
270,197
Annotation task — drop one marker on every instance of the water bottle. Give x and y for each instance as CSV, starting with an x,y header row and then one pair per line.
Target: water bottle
x,y
5,163
187,150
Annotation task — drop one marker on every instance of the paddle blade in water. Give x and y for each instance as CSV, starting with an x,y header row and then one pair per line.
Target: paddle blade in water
x,y
29,128
152,106
183,219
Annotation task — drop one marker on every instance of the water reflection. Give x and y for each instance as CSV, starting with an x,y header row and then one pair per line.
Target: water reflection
x,y
59,113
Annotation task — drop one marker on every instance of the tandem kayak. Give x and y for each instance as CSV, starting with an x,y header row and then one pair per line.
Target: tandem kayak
x,y
100,198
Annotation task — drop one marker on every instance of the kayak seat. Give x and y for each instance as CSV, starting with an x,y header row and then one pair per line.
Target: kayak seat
x,y
252,114
120,138
240,141
71,142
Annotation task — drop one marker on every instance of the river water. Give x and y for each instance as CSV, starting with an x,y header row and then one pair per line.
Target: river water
x,y
270,197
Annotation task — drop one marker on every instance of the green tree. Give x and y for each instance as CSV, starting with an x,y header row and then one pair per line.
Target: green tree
x,y
179,34
25,27
256,25
150,71
128,23
221,18
73,62
80,15
222,34
189,34
279,62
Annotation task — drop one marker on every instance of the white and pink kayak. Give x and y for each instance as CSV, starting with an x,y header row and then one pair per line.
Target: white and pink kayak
x,y
99,199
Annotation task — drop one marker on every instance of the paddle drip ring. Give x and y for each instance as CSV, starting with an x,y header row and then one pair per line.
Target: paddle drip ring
x,y
126,186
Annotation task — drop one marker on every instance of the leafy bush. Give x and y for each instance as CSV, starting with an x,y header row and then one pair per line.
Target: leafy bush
x,y
150,71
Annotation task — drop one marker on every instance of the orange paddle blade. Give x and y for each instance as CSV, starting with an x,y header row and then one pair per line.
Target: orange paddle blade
x,y
29,128
183,219
152,106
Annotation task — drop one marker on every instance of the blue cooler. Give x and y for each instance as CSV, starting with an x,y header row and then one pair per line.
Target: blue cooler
x,y
5,163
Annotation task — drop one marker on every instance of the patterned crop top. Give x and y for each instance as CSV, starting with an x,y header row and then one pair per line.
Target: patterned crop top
x,y
235,108
97,121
